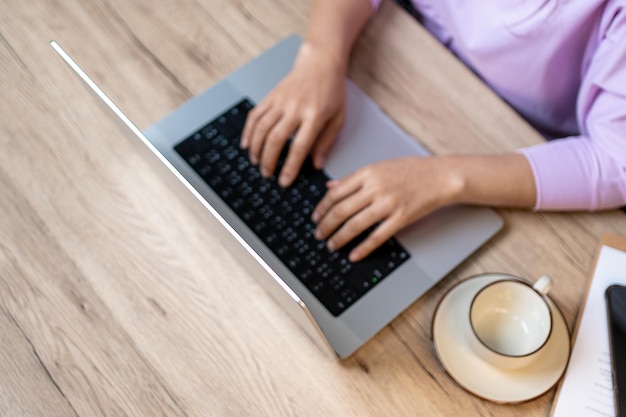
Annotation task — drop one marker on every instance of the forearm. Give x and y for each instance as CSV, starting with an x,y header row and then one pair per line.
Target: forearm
x,y
491,180
333,28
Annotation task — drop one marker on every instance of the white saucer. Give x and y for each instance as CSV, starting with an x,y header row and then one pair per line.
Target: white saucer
x,y
477,376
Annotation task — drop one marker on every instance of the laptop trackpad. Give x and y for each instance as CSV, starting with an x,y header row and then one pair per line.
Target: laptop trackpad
x,y
367,137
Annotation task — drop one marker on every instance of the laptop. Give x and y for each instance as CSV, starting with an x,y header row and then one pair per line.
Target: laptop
x,y
340,305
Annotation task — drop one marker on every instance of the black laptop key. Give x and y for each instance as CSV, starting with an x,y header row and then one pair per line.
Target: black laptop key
x,y
281,217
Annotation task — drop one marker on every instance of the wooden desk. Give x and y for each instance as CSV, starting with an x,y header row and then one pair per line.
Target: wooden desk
x,y
117,300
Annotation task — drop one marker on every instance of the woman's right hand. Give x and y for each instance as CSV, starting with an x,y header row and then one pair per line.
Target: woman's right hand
x,y
308,104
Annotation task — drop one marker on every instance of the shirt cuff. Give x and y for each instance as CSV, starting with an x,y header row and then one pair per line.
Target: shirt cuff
x,y
571,174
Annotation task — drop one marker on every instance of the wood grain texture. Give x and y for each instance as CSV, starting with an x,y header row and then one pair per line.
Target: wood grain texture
x,y
117,299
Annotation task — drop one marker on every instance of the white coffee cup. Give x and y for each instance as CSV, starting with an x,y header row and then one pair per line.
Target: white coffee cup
x,y
510,321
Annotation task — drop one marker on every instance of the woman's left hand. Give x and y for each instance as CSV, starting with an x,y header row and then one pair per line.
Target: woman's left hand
x,y
392,193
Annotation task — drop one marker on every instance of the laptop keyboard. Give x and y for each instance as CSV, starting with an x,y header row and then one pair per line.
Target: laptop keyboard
x,y
281,217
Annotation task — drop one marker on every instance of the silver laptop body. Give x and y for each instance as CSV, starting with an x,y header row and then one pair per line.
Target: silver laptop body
x,y
436,244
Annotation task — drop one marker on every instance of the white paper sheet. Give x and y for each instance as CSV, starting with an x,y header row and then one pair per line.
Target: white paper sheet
x,y
587,389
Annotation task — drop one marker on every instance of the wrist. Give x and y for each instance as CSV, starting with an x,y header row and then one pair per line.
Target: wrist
x,y
455,180
325,54
333,28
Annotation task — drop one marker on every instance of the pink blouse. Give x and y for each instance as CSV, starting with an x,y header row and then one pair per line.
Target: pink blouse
x,y
561,66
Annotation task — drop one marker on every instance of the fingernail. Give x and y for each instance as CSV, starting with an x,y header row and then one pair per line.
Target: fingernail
x,y
315,217
318,234
354,256
320,161
283,180
331,245
244,143
254,159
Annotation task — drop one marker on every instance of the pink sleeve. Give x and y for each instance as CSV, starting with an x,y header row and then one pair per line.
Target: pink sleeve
x,y
588,172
